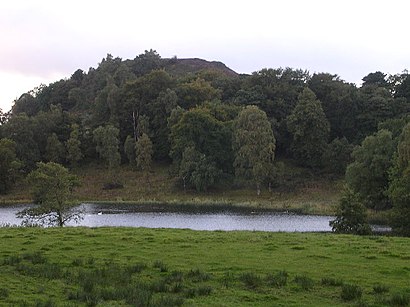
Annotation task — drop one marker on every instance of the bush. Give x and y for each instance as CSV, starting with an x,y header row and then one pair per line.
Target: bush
x,y
350,292
350,215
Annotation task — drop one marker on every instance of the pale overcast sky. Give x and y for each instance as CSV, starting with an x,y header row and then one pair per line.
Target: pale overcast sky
x,y
45,40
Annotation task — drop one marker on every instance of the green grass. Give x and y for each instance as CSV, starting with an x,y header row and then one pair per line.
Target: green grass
x,y
163,267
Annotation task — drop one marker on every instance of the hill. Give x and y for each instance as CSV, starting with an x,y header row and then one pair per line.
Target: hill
x,y
180,67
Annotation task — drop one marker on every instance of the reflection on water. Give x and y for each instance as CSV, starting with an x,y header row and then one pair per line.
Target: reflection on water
x,y
209,218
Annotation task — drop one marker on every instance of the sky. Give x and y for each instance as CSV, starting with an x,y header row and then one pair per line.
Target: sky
x,y
44,41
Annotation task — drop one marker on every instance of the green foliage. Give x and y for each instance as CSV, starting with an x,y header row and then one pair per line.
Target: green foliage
x,y
52,186
73,146
193,93
350,215
399,189
200,129
106,140
197,170
143,150
337,156
254,145
55,150
368,174
129,149
9,165
309,128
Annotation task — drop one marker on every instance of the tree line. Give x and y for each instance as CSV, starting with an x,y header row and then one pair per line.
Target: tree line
x,y
215,127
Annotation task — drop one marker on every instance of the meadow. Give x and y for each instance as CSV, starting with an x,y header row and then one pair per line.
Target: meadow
x,y
164,267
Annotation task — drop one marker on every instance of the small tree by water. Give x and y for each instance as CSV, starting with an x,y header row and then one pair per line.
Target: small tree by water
x,y
350,215
52,185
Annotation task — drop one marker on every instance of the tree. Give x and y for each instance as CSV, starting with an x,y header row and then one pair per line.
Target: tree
x,y
350,215
9,164
197,170
129,149
143,149
337,156
74,154
254,145
52,186
55,149
368,174
309,128
399,188
106,140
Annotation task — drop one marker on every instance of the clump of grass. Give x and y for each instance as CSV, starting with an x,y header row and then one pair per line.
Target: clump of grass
x,y
304,282
204,290
136,268
251,280
12,260
35,258
196,275
166,301
380,289
4,293
227,279
78,262
158,264
330,281
399,299
175,276
350,292
277,280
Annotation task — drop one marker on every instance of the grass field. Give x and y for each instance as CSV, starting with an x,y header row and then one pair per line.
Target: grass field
x,y
163,267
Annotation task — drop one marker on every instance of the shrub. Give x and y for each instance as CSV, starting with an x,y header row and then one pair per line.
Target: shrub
x,y
351,292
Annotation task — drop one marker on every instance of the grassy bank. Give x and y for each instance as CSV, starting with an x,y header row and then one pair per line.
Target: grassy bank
x,y
160,267
310,195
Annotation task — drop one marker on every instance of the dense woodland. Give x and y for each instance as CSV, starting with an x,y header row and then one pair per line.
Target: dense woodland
x,y
216,127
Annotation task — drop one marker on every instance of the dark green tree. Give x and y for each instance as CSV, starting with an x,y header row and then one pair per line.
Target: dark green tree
x,y
351,215
194,93
55,151
200,129
143,151
52,187
337,156
254,146
73,146
129,149
106,140
367,175
399,188
9,165
196,170
310,130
